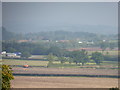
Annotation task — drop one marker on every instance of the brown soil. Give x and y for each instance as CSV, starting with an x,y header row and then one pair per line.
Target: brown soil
x,y
63,82
81,71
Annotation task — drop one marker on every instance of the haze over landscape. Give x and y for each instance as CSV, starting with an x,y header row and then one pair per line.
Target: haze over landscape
x,y
25,17
59,45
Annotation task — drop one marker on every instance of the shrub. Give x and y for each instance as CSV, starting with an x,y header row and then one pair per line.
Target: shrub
x,y
6,77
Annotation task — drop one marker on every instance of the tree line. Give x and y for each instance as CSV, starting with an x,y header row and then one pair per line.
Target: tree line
x,y
31,48
55,35
77,57
28,49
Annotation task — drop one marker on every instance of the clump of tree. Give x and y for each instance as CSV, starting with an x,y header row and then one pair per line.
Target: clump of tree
x,y
110,58
116,88
31,48
70,60
6,77
112,45
79,57
25,54
63,59
50,58
56,51
103,46
97,57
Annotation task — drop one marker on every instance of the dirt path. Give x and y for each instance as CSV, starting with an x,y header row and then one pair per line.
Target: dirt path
x,y
63,82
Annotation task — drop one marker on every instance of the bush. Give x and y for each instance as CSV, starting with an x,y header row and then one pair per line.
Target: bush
x,y
114,88
6,77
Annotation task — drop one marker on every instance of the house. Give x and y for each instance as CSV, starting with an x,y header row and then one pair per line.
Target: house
x,y
11,55
4,52
80,42
90,42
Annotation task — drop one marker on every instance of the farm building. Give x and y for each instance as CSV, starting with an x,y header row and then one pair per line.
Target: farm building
x,y
11,55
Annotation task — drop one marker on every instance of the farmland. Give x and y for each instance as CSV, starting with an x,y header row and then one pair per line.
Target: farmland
x,y
48,71
39,67
63,82
63,75
23,62
57,64
64,71
59,45
109,52
36,77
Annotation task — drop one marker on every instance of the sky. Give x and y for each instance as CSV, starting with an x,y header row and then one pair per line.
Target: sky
x,y
34,16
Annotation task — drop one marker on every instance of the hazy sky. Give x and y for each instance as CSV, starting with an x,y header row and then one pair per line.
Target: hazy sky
x,y
30,16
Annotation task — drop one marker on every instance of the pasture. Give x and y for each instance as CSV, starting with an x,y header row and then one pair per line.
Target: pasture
x,y
109,52
23,62
57,64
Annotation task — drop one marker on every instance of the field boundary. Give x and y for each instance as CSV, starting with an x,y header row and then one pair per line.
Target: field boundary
x,y
67,75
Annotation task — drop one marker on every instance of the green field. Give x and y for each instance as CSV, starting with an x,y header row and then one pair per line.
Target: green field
x,y
105,64
112,53
23,62
57,64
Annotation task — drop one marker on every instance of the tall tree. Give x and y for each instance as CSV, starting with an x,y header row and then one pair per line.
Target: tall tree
x,y
103,46
62,59
50,58
97,57
80,57
112,46
25,54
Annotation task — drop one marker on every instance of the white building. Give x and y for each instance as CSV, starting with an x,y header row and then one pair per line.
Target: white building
x,y
11,55
80,42
4,52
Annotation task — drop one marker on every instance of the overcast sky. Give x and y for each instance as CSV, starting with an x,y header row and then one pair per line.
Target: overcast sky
x,y
30,16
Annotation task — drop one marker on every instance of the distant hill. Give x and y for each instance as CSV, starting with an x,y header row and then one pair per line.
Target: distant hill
x,y
55,35
106,30
61,35
68,35
7,35
97,29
